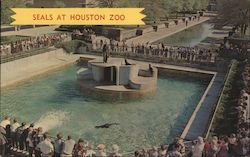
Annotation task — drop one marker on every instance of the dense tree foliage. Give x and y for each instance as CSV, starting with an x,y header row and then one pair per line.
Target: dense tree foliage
x,y
159,8
236,13
5,9
59,4
107,3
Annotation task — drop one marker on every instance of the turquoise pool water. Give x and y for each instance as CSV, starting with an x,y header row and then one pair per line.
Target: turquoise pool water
x,y
54,102
189,37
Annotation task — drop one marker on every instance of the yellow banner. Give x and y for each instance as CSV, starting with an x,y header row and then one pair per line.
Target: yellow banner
x,y
78,16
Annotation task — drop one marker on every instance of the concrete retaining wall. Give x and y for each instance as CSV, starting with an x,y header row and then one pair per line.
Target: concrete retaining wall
x,y
124,73
127,72
98,73
25,68
127,34
161,26
101,94
116,33
144,30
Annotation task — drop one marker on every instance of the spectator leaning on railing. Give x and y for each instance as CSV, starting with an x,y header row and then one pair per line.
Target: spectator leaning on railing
x,y
189,54
40,144
33,43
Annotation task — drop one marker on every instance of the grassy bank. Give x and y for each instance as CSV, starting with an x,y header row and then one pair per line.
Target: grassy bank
x,y
226,117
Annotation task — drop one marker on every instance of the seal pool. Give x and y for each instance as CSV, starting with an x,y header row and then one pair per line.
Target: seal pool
x,y
54,102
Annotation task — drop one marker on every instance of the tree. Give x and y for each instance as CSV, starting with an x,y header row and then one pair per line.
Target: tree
x,y
187,5
235,13
175,6
203,4
153,9
59,4
127,4
29,5
107,3
197,5
159,8
5,9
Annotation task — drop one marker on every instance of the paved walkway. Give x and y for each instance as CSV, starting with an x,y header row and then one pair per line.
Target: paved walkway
x,y
6,26
32,31
165,32
199,121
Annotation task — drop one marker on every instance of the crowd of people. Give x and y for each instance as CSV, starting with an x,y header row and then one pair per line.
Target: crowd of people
x,y
42,41
235,50
189,54
28,140
16,138
84,32
233,145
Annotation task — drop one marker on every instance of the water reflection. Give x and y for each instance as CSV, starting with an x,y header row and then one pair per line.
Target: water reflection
x,y
189,37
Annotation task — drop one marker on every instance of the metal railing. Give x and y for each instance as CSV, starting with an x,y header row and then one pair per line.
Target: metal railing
x,y
209,65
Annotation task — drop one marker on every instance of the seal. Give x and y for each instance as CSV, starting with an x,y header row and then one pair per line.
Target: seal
x,y
107,125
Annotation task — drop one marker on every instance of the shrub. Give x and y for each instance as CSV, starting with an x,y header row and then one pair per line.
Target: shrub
x,y
226,118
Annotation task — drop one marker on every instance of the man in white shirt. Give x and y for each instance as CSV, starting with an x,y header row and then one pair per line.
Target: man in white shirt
x,y
90,151
244,143
68,147
101,151
5,122
15,125
46,148
58,144
154,152
13,128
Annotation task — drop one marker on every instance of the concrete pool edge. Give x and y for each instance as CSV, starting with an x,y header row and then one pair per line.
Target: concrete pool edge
x,y
217,78
190,125
58,59
187,127
45,63
197,108
35,75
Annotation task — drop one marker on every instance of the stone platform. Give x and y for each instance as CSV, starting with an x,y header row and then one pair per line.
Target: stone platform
x,y
116,80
